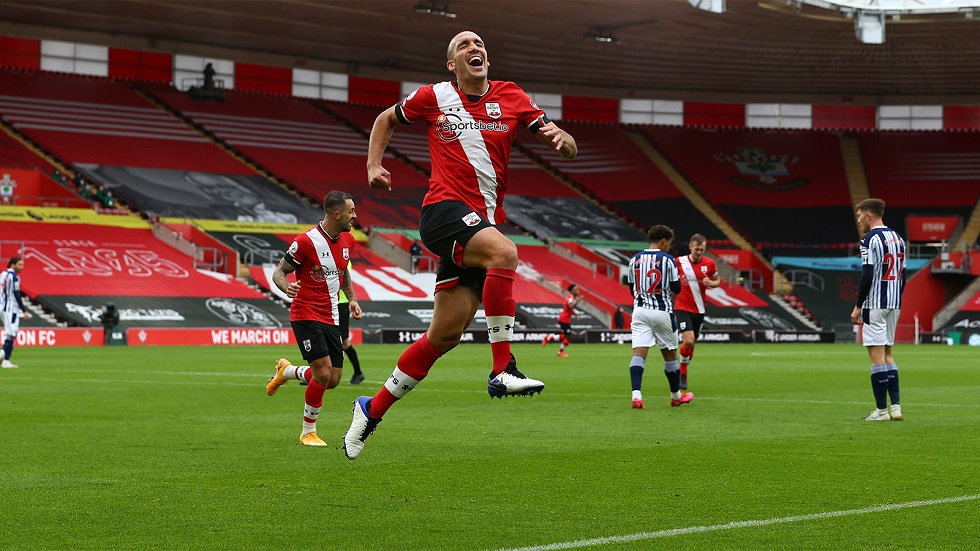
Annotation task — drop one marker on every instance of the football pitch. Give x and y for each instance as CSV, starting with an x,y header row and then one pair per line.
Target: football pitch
x,y
180,448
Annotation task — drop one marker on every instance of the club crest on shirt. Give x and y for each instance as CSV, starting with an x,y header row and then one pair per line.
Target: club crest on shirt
x,y
704,269
471,219
346,253
493,109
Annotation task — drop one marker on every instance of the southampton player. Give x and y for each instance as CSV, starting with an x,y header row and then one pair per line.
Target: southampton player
x,y
652,277
698,273
565,320
879,303
320,257
472,122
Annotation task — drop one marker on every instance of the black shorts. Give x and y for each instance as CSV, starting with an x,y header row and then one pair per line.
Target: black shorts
x,y
446,228
318,340
566,329
689,321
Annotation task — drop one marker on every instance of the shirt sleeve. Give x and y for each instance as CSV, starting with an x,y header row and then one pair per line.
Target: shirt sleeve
x,y
528,112
672,278
414,106
294,254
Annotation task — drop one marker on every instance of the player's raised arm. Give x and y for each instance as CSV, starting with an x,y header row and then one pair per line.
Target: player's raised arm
x,y
384,125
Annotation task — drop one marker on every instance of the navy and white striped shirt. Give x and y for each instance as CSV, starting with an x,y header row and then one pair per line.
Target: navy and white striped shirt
x,y
882,269
10,302
652,275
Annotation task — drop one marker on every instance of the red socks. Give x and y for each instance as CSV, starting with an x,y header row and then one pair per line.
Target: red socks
x,y
500,306
415,362
314,398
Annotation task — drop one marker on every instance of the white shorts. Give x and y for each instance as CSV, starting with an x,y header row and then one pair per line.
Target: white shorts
x,y
653,328
11,324
879,327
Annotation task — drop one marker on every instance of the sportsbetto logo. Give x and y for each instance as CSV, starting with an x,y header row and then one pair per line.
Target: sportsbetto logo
x,y
451,126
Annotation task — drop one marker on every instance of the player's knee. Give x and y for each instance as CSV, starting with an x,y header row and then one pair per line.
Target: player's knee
x,y
504,255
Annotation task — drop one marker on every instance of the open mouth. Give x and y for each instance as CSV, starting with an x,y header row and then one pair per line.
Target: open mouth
x,y
475,61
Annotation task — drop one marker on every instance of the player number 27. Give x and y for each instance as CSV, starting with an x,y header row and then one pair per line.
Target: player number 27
x,y
893,269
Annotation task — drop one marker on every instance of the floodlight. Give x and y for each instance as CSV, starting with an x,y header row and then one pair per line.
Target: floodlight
x,y
869,27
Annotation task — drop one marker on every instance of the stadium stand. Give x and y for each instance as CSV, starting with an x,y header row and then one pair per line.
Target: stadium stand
x,y
311,151
410,141
103,122
14,154
922,173
602,291
783,189
611,169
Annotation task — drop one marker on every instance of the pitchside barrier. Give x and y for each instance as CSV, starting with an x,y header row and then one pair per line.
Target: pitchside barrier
x,y
223,336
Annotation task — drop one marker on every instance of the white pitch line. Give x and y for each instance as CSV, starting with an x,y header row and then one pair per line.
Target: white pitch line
x,y
743,524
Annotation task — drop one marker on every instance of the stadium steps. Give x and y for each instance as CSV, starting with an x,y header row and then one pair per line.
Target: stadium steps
x,y
34,147
39,311
780,283
942,317
857,179
779,300
971,232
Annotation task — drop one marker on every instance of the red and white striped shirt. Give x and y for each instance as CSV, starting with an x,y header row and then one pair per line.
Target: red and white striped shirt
x,y
470,141
691,297
320,264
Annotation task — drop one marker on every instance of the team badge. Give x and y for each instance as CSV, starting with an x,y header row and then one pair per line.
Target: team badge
x,y
307,346
704,270
471,219
346,253
493,109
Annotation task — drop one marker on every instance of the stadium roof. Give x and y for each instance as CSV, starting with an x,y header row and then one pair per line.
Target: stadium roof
x,y
785,51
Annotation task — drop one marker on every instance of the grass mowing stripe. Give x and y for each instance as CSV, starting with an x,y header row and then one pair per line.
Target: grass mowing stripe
x,y
744,524
367,384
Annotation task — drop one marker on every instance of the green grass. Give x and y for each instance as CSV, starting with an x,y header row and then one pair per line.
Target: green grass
x,y
179,448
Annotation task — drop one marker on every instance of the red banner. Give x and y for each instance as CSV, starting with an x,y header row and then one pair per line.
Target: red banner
x,y
39,336
931,228
212,337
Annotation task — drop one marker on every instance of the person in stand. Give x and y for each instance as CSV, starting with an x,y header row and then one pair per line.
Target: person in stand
x,y
209,73
320,257
698,273
11,307
565,321
472,122
879,304
619,318
652,277
110,319
416,251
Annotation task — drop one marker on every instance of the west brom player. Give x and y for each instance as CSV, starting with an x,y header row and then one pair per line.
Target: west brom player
x,y
879,303
698,274
652,277
12,307
472,123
